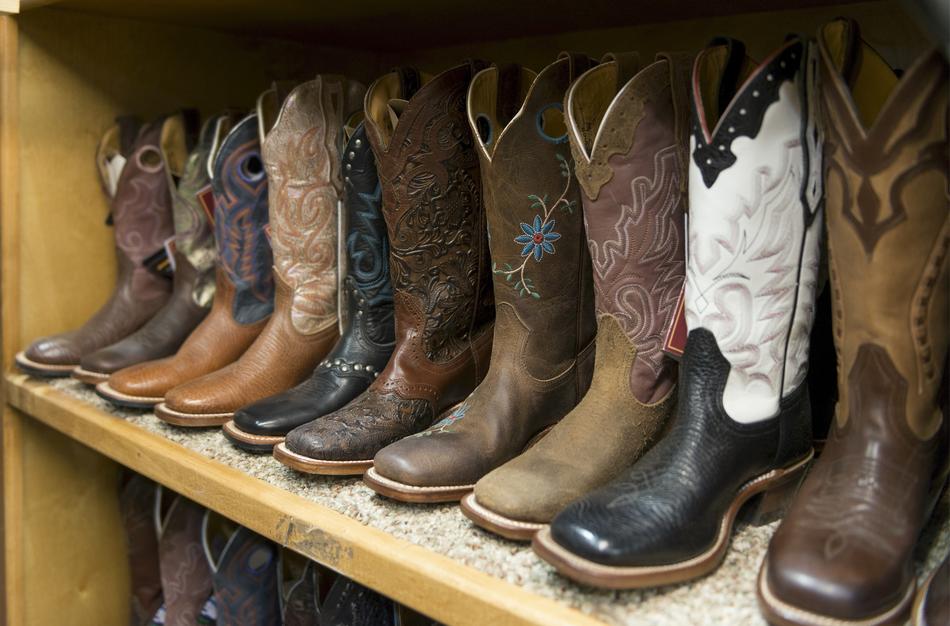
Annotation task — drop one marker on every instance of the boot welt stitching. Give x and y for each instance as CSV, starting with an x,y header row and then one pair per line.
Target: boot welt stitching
x,y
165,408
392,483
106,389
313,461
725,526
501,520
781,607
241,434
83,372
22,358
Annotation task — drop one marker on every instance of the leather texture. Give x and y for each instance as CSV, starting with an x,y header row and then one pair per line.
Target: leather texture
x,y
669,506
301,153
162,335
634,217
186,575
755,193
351,604
246,589
845,550
435,219
367,338
142,217
222,337
137,507
541,273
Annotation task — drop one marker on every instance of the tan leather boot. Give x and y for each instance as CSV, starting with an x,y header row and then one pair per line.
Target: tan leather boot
x,y
301,152
432,205
627,128
844,554
543,351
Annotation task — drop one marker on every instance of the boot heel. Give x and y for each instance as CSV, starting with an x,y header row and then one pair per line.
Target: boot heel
x,y
771,505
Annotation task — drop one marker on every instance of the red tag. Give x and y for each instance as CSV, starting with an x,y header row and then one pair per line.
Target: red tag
x,y
206,200
675,342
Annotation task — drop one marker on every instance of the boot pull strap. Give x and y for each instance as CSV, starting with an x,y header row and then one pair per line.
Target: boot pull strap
x,y
507,100
851,53
578,63
729,81
410,81
680,66
475,66
628,65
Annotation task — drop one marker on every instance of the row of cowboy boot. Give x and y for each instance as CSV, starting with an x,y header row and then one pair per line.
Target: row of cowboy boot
x,y
541,274
243,291
134,177
844,553
742,425
366,317
431,202
627,128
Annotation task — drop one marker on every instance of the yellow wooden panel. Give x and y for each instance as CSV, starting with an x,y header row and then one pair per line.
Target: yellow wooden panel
x,y
434,584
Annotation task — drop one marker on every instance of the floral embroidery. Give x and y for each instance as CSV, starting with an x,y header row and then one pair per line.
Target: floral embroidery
x,y
444,423
537,238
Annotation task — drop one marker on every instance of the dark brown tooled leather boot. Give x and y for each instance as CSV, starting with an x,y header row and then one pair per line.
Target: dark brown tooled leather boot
x,y
432,205
634,193
244,288
844,554
162,335
302,156
542,282
137,504
142,215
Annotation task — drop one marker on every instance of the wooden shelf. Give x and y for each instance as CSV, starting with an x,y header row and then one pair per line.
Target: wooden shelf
x,y
414,576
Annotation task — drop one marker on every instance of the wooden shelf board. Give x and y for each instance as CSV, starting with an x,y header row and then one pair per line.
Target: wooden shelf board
x,y
419,578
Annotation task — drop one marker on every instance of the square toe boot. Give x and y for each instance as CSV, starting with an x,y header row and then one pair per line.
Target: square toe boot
x,y
634,196
162,335
301,155
432,205
368,336
243,289
844,553
742,426
132,171
542,282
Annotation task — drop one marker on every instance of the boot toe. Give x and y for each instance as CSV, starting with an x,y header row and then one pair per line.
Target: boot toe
x,y
146,380
523,494
207,395
274,416
326,440
55,350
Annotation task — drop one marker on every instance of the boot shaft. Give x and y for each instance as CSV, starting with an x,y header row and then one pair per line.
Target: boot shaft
x,y
886,146
432,205
302,155
239,184
755,202
628,133
540,264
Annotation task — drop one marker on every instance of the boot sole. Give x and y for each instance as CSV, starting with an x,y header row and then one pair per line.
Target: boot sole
x,y
411,493
781,613
190,420
636,577
104,391
249,442
307,465
509,528
42,370
89,377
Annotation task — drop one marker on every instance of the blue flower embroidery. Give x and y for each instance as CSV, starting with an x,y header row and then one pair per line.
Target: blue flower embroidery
x,y
538,238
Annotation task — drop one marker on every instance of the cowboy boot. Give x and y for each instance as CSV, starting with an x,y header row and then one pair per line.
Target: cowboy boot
x,y
137,503
742,425
351,604
634,184
301,153
932,605
367,339
245,566
141,214
186,576
428,171
300,590
163,334
844,554
541,279
243,288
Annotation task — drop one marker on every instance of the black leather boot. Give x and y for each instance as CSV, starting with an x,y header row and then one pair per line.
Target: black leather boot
x,y
368,335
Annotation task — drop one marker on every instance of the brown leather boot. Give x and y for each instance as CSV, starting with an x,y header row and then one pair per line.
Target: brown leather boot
x,y
542,282
141,213
432,205
634,183
844,554
301,152
163,334
138,498
244,288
